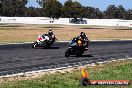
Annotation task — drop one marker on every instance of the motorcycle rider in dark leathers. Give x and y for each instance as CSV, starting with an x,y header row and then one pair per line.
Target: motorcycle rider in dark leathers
x,y
51,36
83,38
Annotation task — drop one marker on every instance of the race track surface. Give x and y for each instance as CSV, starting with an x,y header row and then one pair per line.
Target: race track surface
x,y
17,58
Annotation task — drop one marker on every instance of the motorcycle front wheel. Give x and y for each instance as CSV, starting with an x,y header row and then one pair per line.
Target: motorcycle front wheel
x,y
67,53
35,44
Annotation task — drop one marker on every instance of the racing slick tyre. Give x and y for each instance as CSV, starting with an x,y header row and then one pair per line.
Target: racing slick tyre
x,y
79,54
67,53
46,45
35,44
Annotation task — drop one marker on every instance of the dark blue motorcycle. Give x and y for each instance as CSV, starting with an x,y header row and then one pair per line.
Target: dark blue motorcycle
x,y
76,47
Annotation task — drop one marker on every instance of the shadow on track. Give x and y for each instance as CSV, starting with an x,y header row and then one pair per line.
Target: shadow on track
x,y
47,48
82,56
52,48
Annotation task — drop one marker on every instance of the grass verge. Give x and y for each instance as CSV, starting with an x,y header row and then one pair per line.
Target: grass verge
x,y
113,70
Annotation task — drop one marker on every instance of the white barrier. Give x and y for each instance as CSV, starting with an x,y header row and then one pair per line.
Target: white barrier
x,y
110,22
45,20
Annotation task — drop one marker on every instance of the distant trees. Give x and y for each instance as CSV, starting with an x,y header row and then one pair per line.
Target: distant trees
x,y
19,7
129,14
72,9
90,12
1,8
115,12
34,12
54,9
13,7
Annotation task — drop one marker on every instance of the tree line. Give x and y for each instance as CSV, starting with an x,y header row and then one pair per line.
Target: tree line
x,y
54,9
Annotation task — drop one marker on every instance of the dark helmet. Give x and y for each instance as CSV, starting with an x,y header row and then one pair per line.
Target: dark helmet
x,y
82,34
50,32
46,35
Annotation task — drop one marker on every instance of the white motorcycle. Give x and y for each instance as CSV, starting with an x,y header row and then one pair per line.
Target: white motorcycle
x,y
42,41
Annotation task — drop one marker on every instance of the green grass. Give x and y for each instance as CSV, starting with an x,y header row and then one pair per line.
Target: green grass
x,y
120,70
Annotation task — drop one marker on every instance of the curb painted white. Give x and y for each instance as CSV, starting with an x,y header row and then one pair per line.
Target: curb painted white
x,y
62,68
33,73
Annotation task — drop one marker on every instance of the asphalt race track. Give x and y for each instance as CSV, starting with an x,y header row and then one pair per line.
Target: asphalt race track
x,y
17,58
